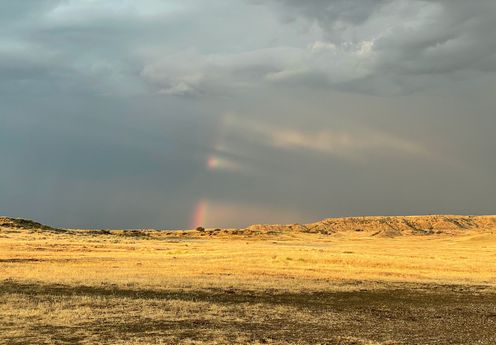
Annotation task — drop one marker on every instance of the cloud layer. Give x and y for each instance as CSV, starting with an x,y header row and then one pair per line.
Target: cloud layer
x,y
379,47
124,113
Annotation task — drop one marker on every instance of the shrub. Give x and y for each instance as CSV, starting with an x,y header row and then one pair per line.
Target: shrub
x,y
200,229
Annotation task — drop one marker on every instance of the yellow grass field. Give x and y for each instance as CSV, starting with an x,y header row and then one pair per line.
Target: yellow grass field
x,y
189,287
291,262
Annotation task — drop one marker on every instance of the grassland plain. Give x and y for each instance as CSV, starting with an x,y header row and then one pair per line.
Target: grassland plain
x,y
368,284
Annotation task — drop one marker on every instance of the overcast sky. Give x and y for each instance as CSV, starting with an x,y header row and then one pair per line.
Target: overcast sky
x,y
179,113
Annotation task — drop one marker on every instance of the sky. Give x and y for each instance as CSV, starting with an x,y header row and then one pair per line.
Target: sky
x,y
185,113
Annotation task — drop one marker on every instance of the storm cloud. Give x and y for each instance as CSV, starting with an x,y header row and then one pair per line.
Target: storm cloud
x,y
225,113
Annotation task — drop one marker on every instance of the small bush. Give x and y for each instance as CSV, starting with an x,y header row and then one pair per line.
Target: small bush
x,y
200,229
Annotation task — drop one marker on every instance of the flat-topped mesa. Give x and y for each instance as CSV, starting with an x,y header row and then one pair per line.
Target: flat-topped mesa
x,y
389,226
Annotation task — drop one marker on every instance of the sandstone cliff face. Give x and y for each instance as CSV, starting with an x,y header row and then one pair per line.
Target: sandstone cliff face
x,y
390,226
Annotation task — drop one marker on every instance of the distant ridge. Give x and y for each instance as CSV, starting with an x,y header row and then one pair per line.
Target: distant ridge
x,y
389,226
381,226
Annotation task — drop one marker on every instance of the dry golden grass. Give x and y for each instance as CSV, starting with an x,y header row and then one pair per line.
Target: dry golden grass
x,y
292,262
87,287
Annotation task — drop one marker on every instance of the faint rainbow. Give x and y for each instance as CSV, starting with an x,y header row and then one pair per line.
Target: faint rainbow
x,y
214,159
200,214
213,162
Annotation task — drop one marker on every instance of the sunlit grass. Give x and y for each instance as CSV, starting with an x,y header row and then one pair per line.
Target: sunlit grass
x,y
288,262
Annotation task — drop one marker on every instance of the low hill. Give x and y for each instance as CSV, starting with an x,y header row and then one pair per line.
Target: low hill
x,y
18,223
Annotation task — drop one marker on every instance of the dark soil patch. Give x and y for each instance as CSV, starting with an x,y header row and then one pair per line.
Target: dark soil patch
x,y
429,314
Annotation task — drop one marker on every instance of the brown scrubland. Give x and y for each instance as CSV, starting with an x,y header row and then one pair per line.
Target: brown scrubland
x,y
359,280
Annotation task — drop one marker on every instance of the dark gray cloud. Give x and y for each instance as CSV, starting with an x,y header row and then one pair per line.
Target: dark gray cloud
x,y
126,114
327,13
411,44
